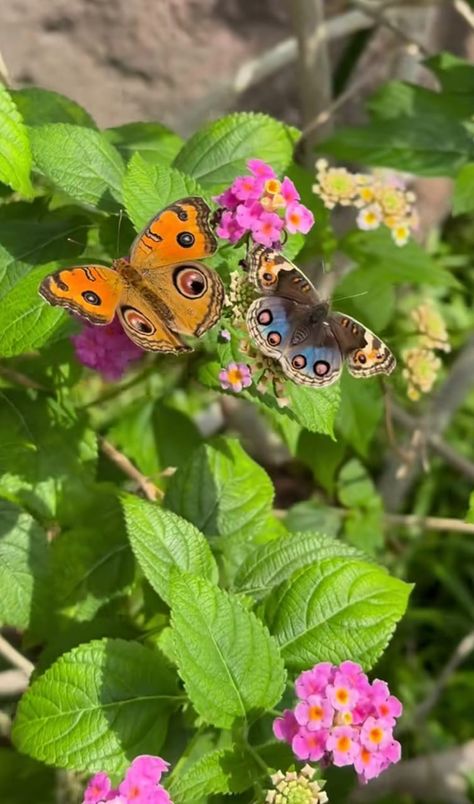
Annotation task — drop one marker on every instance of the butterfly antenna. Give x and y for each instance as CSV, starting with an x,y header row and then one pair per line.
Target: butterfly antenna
x,y
353,296
117,244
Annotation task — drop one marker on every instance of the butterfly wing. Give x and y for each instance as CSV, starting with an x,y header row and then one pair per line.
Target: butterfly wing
x,y
275,275
365,353
90,291
158,307
179,232
308,352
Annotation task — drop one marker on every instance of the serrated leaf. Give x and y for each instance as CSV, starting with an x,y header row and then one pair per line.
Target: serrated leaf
x,y
89,571
15,151
463,200
216,642
80,162
47,456
271,564
219,151
220,771
162,540
24,570
97,707
149,188
313,408
26,320
360,413
311,515
155,143
39,106
337,609
455,75
222,491
31,235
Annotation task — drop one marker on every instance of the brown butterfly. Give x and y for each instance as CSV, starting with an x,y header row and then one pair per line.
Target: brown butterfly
x,y
159,292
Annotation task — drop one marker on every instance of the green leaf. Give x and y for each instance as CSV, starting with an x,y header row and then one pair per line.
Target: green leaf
x,y
24,569
337,609
97,707
90,571
39,106
155,143
322,455
149,188
30,235
142,433
360,412
414,130
455,75
356,488
26,320
463,200
162,540
270,564
311,515
363,525
220,771
376,254
222,491
19,776
15,152
217,644
47,456
314,408
219,151
80,162
367,294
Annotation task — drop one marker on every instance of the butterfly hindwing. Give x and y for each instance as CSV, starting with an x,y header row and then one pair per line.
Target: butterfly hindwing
x,y
307,351
90,291
366,355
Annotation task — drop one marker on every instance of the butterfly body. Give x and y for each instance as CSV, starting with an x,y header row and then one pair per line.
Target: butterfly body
x,y
291,324
160,292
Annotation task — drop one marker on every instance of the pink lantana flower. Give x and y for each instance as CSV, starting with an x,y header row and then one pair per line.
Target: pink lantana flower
x,y
261,206
260,168
342,718
343,744
310,745
106,349
314,713
298,218
285,727
267,228
98,789
289,191
235,377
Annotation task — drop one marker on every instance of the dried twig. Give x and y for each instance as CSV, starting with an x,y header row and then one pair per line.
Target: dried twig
x,y
150,490
12,683
462,651
15,657
430,523
395,484
380,17
465,10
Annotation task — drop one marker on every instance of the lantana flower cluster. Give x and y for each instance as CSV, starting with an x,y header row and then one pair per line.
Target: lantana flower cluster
x,y
422,364
261,205
381,198
141,784
343,719
106,349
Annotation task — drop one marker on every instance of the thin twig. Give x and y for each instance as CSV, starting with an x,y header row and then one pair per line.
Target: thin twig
x,y
4,76
465,10
381,18
461,652
150,490
395,485
429,523
12,684
20,379
15,657
268,63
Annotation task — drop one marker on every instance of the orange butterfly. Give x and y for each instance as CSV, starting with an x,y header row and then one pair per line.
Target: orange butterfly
x,y
159,293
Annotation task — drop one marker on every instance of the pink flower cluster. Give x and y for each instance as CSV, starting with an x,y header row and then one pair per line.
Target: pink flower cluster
x,y
263,206
342,718
106,349
140,785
